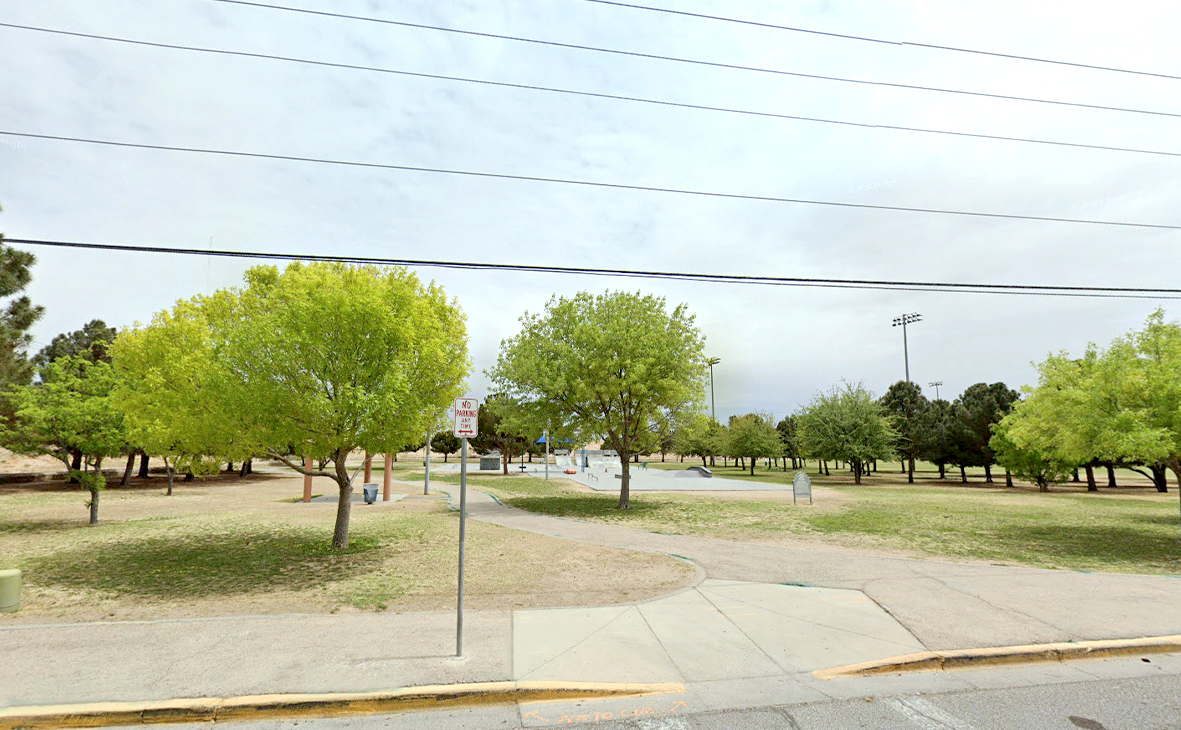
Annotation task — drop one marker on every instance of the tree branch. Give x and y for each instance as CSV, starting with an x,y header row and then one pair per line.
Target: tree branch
x,y
313,473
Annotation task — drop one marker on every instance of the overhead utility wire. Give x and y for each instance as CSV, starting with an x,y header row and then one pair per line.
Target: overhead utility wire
x,y
868,39
694,61
586,183
880,284
574,92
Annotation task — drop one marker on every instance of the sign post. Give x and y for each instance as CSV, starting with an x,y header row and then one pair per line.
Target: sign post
x,y
426,478
465,414
545,435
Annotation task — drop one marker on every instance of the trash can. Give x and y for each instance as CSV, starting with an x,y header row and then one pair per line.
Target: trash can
x,y
370,492
10,590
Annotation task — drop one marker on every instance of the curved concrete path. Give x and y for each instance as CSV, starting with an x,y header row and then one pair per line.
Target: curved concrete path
x,y
944,605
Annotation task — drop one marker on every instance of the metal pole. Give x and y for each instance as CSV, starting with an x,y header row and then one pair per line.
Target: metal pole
x,y
462,539
905,353
713,413
545,435
426,478
584,458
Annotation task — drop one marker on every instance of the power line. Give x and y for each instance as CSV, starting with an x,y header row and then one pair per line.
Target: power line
x,y
827,283
586,183
868,39
574,92
694,61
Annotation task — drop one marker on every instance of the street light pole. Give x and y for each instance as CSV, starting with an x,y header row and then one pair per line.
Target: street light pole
x,y
904,320
712,403
935,384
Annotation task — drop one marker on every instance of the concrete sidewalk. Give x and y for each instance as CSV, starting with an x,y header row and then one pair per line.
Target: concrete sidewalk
x,y
740,637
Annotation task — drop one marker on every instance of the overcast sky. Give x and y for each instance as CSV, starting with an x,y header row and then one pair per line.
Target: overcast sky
x,y
778,346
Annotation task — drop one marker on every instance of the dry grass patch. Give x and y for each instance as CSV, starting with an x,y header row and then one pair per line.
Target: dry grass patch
x,y
238,546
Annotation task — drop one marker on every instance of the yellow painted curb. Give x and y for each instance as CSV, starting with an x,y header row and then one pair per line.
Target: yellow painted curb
x,y
256,707
935,661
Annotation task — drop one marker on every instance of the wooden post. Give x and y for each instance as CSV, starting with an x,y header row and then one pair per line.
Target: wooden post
x,y
387,477
368,467
307,479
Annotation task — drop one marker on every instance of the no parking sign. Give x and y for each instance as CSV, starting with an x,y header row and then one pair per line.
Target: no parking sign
x,y
466,413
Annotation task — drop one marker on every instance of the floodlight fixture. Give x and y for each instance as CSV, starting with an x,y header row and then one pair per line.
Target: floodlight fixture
x,y
903,320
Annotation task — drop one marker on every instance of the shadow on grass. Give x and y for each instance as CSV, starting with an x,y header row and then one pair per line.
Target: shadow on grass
x,y
1128,548
586,505
34,526
199,564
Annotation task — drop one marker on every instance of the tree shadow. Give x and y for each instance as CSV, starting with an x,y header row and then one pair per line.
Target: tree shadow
x,y
37,526
1136,549
586,505
200,564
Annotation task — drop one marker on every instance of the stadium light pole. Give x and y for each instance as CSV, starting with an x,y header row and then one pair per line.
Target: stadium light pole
x,y
935,384
712,405
904,320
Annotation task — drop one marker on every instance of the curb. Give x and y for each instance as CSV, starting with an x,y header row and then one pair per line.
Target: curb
x,y
257,707
937,661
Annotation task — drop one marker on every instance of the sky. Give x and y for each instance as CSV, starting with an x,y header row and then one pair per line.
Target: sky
x,y
778,346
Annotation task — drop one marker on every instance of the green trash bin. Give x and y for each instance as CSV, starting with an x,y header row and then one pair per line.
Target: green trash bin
x,y
10,590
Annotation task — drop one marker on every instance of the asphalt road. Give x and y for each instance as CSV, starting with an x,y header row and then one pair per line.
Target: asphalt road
x,y
1151,702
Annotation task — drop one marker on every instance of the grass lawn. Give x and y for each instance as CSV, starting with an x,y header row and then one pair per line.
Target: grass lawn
x,y
1131,529
241,546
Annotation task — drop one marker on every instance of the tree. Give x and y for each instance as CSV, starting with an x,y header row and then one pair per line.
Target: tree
x,y
325,359
174,395
698,435
905,402
788,436
16,317
754,436
445,443
846,424
937,434
617,366
92,342
980,407
498,431
1022,447
70,411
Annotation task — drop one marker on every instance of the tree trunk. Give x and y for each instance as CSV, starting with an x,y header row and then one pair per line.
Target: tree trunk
x,y
902,464
1075,478
94,506
245,468
625,501
504,460
189,476
712,460
127,472
826,473
445,455
963,475
1110,475
943,471
910,470
340,534
988,473
171,474
143,465
1008,477
1042,484
856,472
1158,478
1091,486
229,467
703,463
752,466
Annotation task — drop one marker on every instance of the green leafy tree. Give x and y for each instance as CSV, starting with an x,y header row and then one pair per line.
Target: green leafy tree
x,y
174,397
71,411
321,360
92,342
498,431
619,366
1024,449
753,436
979,408
445,443
939,435
907,405
788,436
17,315
698,435
846,424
